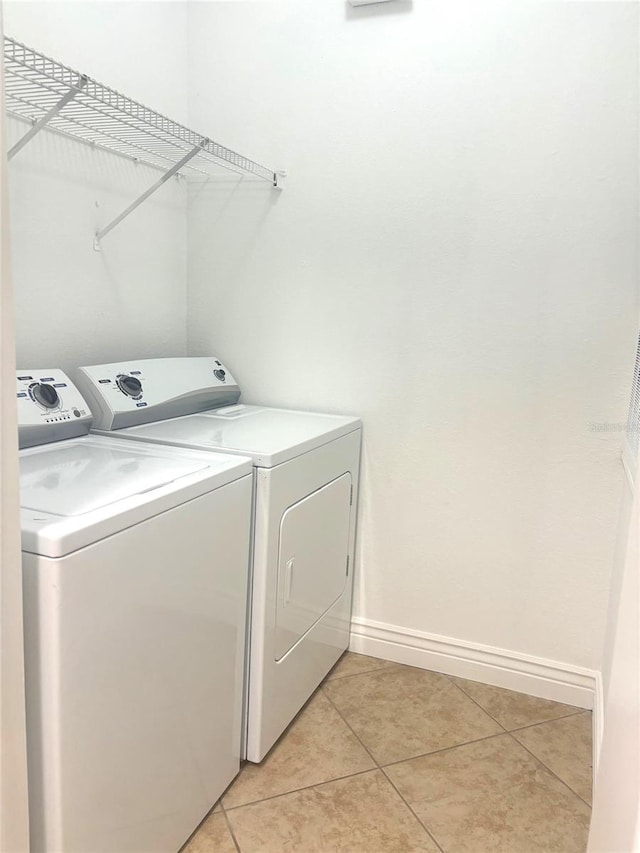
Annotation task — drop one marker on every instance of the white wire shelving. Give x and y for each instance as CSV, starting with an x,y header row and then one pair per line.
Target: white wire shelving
x,y
46,93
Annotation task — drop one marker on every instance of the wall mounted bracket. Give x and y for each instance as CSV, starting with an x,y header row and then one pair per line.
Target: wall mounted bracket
x,y
46,118
145,195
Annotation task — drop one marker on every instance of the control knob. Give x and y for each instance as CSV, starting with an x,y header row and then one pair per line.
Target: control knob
x,y
45,395
129,385
220,374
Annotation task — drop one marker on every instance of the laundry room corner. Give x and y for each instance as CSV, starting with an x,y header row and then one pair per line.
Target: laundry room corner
x,y
454,260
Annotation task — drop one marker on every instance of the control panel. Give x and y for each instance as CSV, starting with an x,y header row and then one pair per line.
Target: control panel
x,y
50,407
123,394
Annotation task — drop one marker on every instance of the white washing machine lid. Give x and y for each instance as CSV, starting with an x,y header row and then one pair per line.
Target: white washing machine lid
x,y
269,436
74,493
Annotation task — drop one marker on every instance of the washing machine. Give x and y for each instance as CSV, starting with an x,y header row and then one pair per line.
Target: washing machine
x,y
135,564
306,469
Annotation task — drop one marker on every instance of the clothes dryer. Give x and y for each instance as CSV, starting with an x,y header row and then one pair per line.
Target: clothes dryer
x,y
306,469
135,564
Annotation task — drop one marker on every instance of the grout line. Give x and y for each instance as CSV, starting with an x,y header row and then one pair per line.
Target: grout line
x,y
411,757
315,693
351,729
553,773
572,714
420,821
230,828
484,710
434,751
552,720
380,768
303,788
443,749
386,665
528,725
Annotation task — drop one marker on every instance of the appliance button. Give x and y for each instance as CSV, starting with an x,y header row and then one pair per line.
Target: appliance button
x,y
221,375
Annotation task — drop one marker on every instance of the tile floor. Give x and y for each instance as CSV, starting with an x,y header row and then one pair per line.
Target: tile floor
x,y
390,759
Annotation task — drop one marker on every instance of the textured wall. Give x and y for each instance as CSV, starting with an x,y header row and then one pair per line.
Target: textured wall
x,y
74,305
454,260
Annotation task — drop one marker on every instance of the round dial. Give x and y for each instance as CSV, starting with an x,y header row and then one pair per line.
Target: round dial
x,y
45,395
129,385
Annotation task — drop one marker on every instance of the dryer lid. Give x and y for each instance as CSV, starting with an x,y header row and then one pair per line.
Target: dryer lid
x,y
77,478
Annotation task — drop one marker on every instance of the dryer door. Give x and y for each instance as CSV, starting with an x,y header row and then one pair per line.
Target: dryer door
x,y
312,560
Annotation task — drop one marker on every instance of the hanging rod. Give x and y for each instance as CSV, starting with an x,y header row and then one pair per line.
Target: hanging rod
x,y
47,93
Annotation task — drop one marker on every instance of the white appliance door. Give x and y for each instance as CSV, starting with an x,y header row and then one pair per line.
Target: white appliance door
x,y
312,560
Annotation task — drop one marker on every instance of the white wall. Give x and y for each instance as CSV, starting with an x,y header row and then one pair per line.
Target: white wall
x,y
74,305
616,804
453,259
14,810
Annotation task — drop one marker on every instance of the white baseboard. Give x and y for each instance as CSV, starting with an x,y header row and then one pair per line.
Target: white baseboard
x,y
547,679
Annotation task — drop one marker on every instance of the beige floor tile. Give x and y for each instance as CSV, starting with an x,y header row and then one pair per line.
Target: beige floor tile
x,y
352,663
492,796
514,710
565,747
212,837
362,814
399,712
319,746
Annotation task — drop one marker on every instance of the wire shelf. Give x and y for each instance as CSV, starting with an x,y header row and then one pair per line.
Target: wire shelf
x,y
43,91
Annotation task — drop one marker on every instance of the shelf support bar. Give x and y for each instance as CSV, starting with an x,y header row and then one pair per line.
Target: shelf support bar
x,y
145,195
55,109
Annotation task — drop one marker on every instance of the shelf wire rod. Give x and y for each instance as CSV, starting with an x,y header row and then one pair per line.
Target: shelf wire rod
x,y
131,125
95,132
137,152
46,118
145,195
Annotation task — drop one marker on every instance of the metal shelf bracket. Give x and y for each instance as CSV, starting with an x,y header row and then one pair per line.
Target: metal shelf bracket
x,y
55,109
145,195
